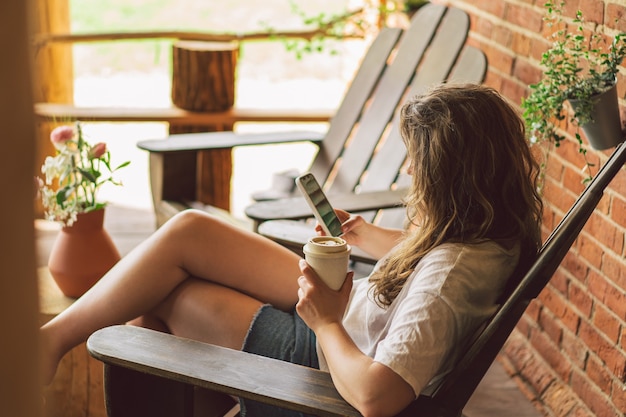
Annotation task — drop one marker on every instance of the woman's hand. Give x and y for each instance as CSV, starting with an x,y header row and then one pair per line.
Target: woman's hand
x,y
318,304
375,240
351,227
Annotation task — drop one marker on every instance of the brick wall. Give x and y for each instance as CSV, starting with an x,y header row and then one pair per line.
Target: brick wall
x,y
568,353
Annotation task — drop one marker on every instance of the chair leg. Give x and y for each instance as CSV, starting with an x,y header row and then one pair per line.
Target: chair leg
x,y
130,393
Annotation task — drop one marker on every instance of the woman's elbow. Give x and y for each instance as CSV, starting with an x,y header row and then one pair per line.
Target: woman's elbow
x,y
384,406
380,409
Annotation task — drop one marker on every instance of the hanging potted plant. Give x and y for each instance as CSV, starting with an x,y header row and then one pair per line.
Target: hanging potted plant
x,y
83,251
579,85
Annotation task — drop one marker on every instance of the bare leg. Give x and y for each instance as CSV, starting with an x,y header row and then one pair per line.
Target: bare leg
x,y
192,245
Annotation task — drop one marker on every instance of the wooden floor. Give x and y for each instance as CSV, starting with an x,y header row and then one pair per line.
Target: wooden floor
x,y
497,395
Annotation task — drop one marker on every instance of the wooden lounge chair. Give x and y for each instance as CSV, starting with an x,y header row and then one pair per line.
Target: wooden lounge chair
x,y
360,138
140,363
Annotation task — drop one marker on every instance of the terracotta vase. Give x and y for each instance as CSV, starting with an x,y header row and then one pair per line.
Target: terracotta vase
x,y
82,254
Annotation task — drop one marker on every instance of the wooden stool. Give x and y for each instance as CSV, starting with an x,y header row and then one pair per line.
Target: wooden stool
x,y
77,390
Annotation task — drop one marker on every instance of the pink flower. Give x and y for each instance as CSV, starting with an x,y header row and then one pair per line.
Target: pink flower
x,y
97,150
60,135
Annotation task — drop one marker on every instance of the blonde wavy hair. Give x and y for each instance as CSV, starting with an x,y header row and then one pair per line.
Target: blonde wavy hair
x,y
473,178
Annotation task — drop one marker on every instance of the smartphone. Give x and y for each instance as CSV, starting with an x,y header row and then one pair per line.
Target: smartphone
x,y
320,205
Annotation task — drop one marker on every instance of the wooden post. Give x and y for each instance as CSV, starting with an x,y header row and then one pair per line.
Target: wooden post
x,y
203,79
53,73
19,361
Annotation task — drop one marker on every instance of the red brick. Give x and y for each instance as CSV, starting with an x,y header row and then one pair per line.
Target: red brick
x,y
552,300
618,211
526,72
557,196
537,48
619,396
525,324
599,403
573,177
502,35
575,349
571,7
590,251
551,353
560,281
607,323
593,10
521,45
616,17
495,8
498,59
559,398
555,169
614,269
599,375
524,16
598,286
483,26
581,411
493,80
607,352
615,300
605,232
533,310
575,265
551,327
618,185
538,374
512,89
580,298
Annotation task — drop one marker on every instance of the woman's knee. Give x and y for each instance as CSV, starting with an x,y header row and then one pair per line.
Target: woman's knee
x,y
189,221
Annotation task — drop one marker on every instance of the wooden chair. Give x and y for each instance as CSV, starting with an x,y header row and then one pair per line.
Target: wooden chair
x,y
140,363
360,138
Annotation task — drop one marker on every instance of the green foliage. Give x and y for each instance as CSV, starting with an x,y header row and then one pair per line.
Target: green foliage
x,y
324,27
576,68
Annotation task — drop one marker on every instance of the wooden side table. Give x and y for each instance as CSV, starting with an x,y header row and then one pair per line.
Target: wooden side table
x,y
77,390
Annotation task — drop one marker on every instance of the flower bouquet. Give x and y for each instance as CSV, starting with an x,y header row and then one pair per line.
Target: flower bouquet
x,y
74,175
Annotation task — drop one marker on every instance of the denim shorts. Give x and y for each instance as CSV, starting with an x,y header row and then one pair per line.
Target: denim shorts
x,y
279,335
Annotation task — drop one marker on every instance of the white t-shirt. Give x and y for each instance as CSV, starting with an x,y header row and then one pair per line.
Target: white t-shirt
x,y
452,291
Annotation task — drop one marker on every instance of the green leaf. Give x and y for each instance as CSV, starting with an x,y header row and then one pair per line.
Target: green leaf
x,y
92,177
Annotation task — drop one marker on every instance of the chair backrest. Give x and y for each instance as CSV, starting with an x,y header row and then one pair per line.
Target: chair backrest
x,y
365,151
457,387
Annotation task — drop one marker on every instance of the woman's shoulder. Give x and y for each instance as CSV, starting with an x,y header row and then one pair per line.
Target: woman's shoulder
x,y
464,262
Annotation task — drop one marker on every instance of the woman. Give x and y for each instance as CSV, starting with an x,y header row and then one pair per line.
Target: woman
x,y
474,215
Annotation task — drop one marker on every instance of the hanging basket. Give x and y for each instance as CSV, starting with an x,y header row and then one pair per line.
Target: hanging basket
x,y
604,131
82,254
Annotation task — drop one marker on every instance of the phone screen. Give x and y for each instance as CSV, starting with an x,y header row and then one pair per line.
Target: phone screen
x,y
320,205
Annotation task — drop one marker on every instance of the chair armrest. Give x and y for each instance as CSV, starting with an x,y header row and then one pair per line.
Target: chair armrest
x,y
225,140
296,208
219,369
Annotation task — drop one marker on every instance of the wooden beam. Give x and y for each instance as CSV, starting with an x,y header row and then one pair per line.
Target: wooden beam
x,y
64,112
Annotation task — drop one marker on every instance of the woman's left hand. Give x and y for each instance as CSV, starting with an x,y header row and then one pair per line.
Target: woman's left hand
x,y
318,304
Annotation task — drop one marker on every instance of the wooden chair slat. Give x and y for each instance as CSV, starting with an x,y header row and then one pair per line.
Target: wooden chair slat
x,y
415,41
359,92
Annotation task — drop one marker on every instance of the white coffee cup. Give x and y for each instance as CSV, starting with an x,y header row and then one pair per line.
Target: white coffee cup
x,y
329,257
